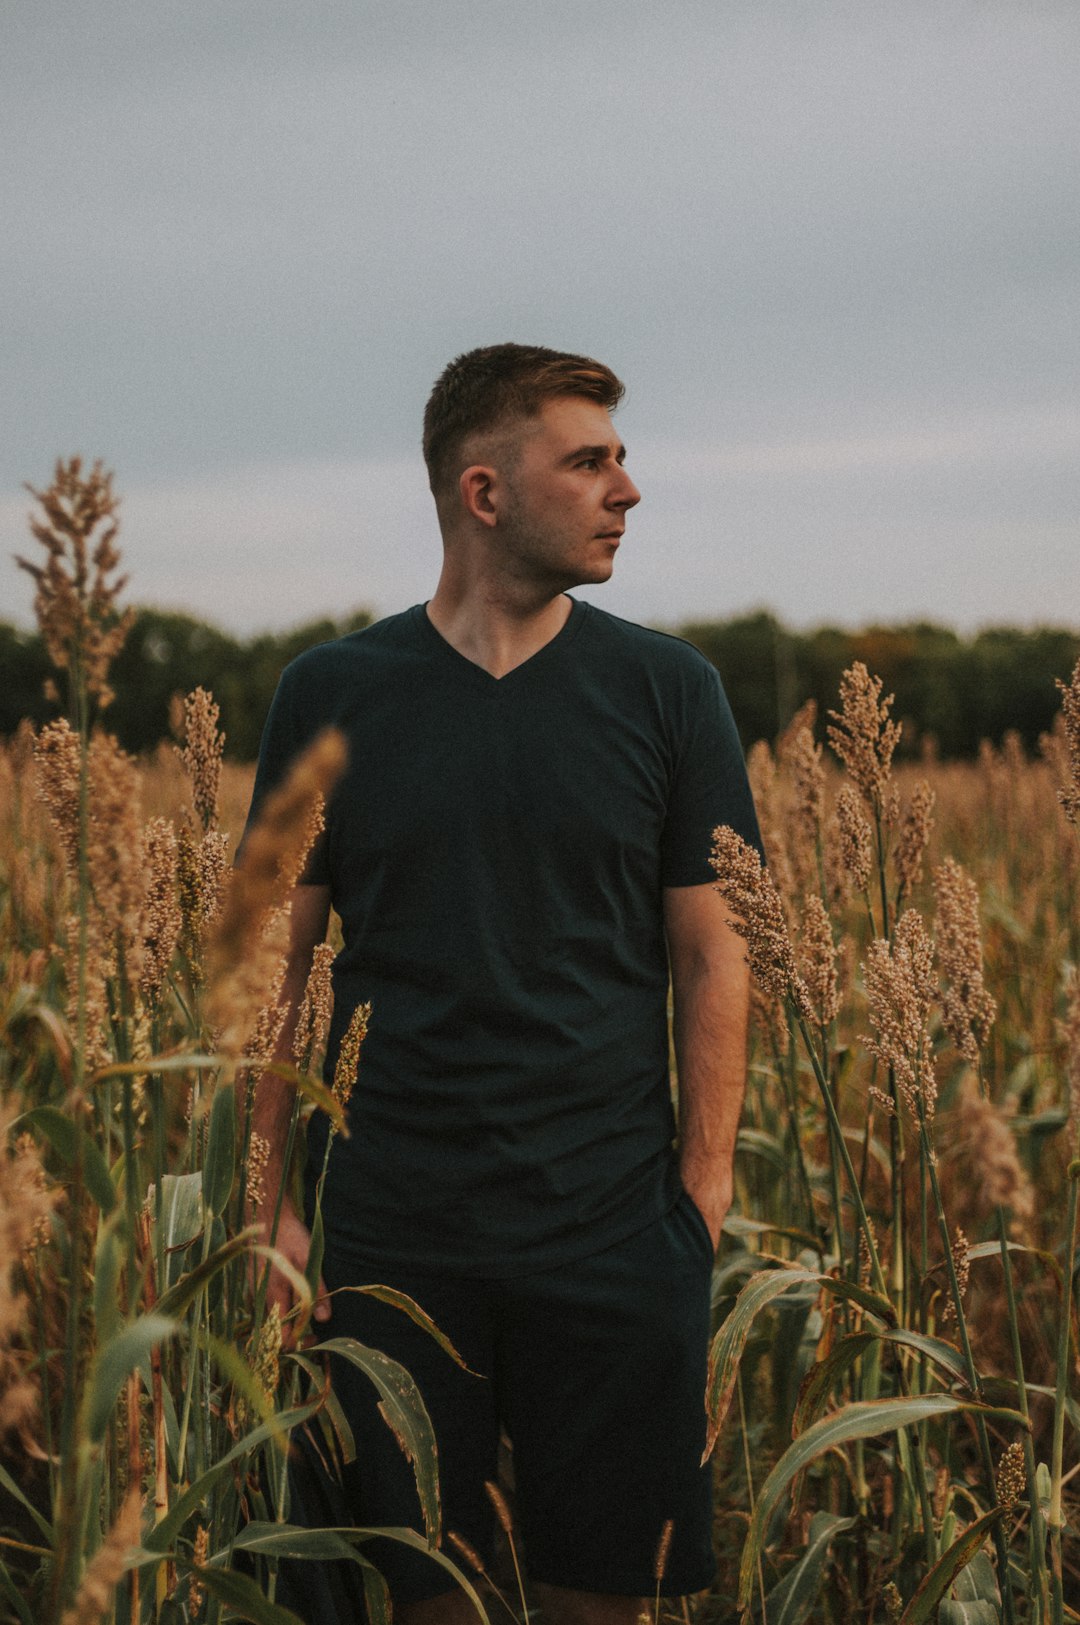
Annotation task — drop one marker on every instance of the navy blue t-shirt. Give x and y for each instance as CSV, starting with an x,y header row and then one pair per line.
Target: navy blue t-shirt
x,y
497,850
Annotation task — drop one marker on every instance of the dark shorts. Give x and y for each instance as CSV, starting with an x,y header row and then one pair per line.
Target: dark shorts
x,y
595,1371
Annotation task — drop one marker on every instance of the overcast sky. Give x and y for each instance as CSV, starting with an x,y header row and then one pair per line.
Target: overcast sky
x,y
833,249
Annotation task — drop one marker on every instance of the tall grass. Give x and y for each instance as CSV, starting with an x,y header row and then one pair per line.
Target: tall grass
x,y
146,1398
892,1387
896,1315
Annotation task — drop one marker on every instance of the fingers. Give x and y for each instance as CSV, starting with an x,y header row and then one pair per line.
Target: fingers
x,y
293,1241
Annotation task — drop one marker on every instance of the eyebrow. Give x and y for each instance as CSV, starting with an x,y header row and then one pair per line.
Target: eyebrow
x,y
603,450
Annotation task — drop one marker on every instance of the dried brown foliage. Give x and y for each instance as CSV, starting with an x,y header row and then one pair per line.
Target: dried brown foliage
x,y
316,1007
799,757
818,961
1069,793
968,1009
27,1199
900,990
981,1164
249,936
104,1571
201,754
767,789
1071,1035
75,601
854,844
161,916
348,1060
864,737
758,917
914,837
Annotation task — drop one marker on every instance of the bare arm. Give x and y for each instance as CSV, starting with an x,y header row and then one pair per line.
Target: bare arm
x,y
711,989
274,1096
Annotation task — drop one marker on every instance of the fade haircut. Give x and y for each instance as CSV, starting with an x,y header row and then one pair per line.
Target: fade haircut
x,y
491,387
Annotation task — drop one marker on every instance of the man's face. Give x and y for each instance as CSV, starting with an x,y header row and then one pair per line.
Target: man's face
x,y
565,497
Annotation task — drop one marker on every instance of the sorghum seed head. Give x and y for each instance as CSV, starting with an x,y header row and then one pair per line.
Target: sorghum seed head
x,y
199,1554
103,1572
57,760
258,1160
1071,1033
1011,1476
161,914
275,850
800,758
856,839
863,736
758,912
348,1058
899,990
983,1154
968,1008
818,961
1069,793
75,602
961,1257
201,754
914,836
313,1020
772,818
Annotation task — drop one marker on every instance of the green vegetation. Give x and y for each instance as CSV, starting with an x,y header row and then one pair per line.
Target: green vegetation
x,y
951,691
168,654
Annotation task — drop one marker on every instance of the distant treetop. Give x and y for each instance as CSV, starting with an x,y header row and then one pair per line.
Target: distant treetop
x,y
950,691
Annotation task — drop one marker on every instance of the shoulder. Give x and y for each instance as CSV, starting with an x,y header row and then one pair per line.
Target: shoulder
x,y
325,666
663,654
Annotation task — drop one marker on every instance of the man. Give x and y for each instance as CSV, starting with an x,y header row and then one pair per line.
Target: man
x,y
518,852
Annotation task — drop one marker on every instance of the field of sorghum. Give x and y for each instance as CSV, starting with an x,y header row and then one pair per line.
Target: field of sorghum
x,y
893,1385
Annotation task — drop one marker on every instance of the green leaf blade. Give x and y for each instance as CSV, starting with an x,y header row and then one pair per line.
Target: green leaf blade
x,y
923,1607
70,1143
405,1413
219,1168
114,1364
863,1420
248,1601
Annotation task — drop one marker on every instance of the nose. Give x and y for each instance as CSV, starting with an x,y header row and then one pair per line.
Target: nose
x,y
625,493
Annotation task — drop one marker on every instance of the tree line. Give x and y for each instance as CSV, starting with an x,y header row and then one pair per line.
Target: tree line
x,y
951,691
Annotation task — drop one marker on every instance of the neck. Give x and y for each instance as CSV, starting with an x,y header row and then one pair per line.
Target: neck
x,y
496,625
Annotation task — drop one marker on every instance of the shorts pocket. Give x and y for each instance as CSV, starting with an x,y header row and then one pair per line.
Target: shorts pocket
x,y
696,1220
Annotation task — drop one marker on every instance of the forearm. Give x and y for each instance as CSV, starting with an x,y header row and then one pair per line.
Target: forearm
x,y
710,1055
710,983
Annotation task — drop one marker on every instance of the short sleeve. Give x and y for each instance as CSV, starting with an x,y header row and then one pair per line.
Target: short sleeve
x,y
709,785
285,737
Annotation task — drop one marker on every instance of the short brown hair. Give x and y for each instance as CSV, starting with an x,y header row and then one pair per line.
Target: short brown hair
x,y
484,388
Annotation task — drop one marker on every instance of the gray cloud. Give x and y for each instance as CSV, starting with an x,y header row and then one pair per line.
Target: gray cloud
x,y
241,241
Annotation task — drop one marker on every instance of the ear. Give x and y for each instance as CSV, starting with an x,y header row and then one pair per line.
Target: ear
x,y
477,485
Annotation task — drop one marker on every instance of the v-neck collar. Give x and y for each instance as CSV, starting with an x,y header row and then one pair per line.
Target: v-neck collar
x,y
434,639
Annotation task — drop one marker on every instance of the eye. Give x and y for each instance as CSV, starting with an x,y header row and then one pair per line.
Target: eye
x,y
589,462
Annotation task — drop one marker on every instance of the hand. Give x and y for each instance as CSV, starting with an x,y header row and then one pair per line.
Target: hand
x,y
294,1242
712,1198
